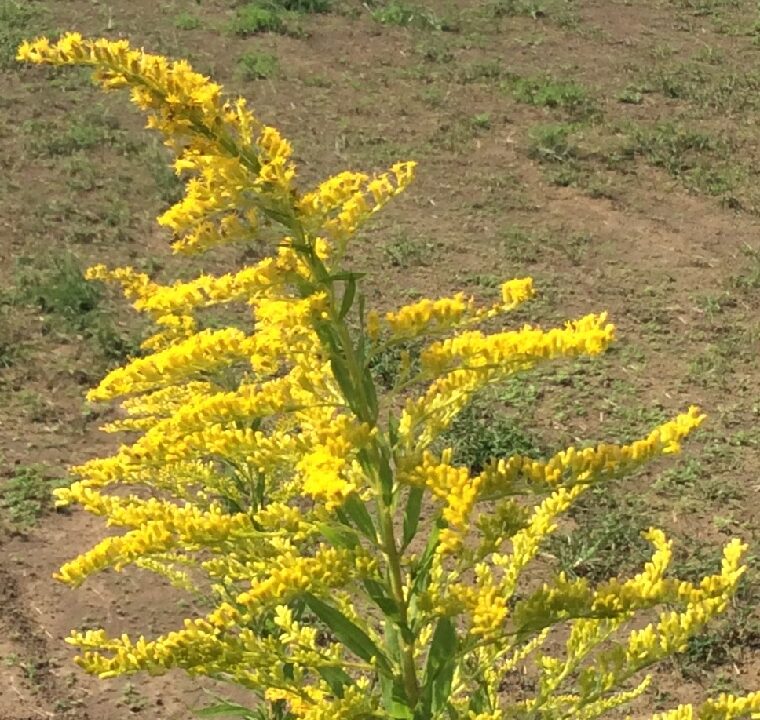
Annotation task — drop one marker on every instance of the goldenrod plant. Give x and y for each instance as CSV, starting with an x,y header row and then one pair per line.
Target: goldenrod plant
x,y
350,567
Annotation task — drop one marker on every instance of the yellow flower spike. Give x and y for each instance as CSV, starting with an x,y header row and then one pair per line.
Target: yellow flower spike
x,y
265,476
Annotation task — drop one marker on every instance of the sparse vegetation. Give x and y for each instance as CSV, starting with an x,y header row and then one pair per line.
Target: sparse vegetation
x,y
26,495
258,66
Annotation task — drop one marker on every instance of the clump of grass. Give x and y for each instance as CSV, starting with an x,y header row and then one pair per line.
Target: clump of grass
x,y
398,12
549,92
749,277
11,341
257,66
27,494
61,291
273,16
607,539
94,129
404,251
484,71
258,17
18,19
187,21
304,6
479,434
516,8
551,143
388,363
694,157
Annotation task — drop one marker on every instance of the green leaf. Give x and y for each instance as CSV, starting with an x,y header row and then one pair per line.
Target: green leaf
x,y
395,703
336,678
439,669
422,569
361,346
386,478
370,391
346,275
348,297
412,514
340,535
342,376
351,635
225,709
377,591
357,511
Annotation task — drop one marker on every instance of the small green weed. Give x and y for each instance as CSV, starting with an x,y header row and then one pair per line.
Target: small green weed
x,y
257,17
705,7
607,539
257,66
545,91
11,340
169,185
27,494
18,20
386,364
304,6
94,129
479,434
187,21
404,251
482,71
692,156
61,291
550,143
515,8
397,12
481,121
749,277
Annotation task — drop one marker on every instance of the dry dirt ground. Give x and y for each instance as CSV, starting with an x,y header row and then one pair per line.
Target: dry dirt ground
x,y
609,149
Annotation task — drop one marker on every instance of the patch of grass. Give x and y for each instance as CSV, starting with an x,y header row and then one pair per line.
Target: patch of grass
x,y
697,159
433,49
630,95
549,92
257,66
481,121
671,146
479,434
403,14
481,71
19,19
388,363
187,21
516,8
27,494
705,7
529,245
749,277
607,540
729,636
404,251
96,128
60,290
553,10
258,17
169,185
551,142
304,6
11,340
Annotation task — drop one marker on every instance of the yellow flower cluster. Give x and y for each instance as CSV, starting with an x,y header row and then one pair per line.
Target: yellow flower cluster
x,y
262,475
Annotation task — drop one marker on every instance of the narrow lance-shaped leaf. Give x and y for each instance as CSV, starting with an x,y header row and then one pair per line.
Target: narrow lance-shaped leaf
x,y
348,633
